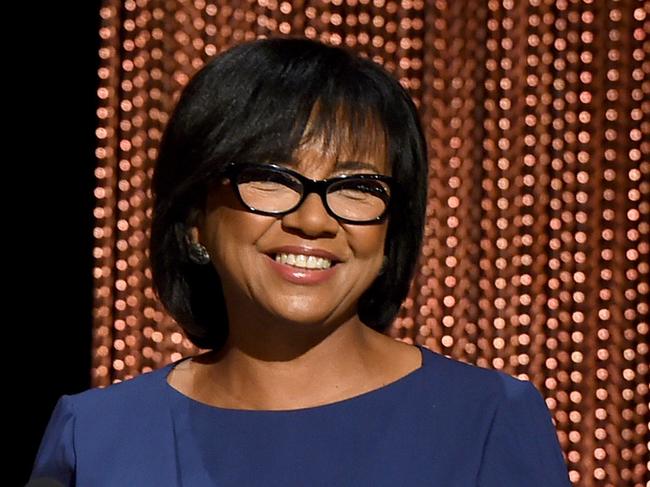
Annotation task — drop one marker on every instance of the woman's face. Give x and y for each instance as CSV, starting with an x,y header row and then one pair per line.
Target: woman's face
x,y
304,267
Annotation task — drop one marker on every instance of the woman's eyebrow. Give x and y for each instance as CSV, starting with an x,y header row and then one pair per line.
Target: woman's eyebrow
x,y
341,166
355,166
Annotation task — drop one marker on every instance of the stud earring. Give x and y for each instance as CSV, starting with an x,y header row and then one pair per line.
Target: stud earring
x,y
198,253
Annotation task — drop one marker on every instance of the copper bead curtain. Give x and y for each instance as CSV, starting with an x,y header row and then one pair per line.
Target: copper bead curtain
x,y
535,258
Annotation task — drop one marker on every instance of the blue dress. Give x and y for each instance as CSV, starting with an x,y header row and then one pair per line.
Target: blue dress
x,y
445,424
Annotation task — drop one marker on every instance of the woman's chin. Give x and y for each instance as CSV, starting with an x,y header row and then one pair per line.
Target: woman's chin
x,y
305,313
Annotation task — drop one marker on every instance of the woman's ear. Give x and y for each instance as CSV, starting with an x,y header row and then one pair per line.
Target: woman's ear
x,y
193,234
196,251
194,225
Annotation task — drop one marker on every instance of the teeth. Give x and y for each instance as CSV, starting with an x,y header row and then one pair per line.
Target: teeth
x,y
304,261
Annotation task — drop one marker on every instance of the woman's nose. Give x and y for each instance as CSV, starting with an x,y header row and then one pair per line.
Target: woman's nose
x,y
311,219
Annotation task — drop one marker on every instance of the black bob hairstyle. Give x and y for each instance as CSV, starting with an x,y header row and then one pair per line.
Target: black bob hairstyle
x,y
258,102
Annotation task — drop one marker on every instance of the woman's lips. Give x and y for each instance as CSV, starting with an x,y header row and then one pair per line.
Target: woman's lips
x,y
299,275
302,250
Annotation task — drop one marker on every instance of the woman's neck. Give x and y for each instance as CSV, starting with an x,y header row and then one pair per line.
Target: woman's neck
x,y
348,361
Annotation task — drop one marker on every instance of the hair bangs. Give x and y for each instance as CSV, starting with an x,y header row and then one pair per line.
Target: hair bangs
x,y
343,131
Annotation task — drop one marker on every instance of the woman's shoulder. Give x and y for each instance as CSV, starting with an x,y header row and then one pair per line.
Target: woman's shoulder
x,y
457,378
142,390
124,422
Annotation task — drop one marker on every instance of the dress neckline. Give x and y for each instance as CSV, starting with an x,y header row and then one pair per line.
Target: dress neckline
x,y
379,392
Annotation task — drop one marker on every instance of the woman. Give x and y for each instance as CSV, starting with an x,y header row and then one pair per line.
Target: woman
x,y
290,193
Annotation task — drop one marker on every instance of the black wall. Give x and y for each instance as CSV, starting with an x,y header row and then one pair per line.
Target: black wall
x,y
53,63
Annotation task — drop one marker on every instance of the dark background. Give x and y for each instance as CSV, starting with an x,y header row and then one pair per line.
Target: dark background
x,y
48,192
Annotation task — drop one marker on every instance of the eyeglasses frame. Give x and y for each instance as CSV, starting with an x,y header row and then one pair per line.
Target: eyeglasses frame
x,y
319,187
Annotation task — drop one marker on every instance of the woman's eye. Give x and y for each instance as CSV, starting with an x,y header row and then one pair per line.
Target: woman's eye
x,y
265,186
353,194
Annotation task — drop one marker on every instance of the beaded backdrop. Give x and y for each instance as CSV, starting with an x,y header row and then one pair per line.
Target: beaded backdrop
x,y
535,259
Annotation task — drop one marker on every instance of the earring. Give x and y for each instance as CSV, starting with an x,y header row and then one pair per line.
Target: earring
x,y
198,253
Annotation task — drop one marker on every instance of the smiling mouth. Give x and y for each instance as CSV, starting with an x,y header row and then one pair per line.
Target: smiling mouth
x,y
302,261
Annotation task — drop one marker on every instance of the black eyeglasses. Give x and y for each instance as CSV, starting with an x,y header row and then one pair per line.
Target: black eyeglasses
x,y
267,189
